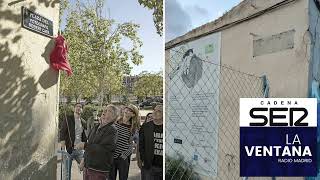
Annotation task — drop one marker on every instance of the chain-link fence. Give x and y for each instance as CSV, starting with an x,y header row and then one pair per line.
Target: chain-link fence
x,y
202,116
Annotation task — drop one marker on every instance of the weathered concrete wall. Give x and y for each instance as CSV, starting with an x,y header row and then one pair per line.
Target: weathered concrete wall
x,y
314,29
286,64
234,86
28,94
286,68
243,10
314,73
274,43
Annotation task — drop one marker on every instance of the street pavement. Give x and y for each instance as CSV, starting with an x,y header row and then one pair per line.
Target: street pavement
x,y
134,171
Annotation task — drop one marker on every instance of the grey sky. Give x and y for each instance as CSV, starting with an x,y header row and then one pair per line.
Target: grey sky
x,y
183,16
177,19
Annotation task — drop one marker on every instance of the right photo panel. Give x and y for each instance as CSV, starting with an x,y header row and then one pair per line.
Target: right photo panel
x,y
242,90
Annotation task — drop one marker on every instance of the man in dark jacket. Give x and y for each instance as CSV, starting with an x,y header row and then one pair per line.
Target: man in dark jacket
x,y
71,134
101,146
150,146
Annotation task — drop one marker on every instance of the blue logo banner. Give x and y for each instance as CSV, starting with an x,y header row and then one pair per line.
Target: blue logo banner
x,y
257,160
278,137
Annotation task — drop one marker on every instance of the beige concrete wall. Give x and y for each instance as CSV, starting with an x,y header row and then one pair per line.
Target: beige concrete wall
x,y
243,10
28,94
234,85
286,70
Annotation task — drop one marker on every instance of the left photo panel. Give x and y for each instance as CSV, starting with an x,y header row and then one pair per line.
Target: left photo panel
x,y
81,89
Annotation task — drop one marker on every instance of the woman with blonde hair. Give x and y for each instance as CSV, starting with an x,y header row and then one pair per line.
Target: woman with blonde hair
x,y
126,127
121,112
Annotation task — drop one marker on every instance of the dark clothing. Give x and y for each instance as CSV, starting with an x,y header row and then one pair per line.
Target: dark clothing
x,y
146,144
89,174
100,148
135,137
154,173
123,152
145,173
91,123
67,133
121,165
158,148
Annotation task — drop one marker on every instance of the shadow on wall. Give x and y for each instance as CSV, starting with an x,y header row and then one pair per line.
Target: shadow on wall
x,y
37,173
17,98
18,91
49,77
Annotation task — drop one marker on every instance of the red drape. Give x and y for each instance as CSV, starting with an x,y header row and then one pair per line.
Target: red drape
x,y
58,56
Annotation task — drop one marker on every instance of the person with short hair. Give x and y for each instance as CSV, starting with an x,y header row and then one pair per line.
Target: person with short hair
x,y
101,145
149,117
72,133
126,128
151,146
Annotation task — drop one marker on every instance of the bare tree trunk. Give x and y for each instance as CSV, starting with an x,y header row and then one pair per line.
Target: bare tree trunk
x,y
77,97
101,87
108,98
101,97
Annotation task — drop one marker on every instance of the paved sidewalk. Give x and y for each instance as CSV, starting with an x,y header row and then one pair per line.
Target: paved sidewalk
x,y
134,171
75,172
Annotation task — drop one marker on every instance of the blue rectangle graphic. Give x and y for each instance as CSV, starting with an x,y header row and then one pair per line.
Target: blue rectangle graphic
x,y
263,151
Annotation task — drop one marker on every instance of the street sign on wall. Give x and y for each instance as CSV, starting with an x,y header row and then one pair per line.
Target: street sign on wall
x,y
36,22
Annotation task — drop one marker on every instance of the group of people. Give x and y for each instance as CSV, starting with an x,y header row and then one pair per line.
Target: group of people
x,y
103,149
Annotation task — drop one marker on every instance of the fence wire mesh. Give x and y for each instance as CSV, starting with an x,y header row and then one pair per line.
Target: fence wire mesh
x,y
202,116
